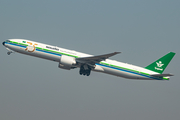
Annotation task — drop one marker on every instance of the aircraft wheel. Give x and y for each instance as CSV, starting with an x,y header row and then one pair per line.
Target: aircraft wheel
x,y
82,71
8,53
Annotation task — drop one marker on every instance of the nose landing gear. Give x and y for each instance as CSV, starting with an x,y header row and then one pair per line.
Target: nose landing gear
x,y
9,51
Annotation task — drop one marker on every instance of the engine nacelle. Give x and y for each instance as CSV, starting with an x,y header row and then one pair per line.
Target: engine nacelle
x,y
66,62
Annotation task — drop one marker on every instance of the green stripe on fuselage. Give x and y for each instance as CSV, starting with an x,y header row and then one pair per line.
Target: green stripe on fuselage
x,y
115,66
56,52
23,44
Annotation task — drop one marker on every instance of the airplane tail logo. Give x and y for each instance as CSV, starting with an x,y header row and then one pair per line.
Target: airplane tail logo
x,y
160,65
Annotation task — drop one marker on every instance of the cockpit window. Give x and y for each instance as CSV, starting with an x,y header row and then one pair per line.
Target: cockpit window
x,y
7,40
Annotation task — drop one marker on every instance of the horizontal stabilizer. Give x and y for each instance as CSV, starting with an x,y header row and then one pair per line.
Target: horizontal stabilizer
x,y
162,75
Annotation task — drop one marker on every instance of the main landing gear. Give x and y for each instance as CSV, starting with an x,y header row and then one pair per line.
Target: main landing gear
x,y
85,70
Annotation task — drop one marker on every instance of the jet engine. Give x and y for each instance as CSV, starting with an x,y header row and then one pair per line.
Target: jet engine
x,y
67,62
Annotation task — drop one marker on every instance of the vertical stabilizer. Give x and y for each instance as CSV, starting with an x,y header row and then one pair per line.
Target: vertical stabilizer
x,y
160,65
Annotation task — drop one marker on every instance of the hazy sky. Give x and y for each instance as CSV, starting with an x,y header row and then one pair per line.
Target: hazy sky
x,y
36,89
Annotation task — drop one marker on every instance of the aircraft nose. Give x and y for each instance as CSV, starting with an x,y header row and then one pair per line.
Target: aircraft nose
x,y
3,43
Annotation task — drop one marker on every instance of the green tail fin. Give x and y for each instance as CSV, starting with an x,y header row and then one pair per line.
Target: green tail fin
x,y
160,65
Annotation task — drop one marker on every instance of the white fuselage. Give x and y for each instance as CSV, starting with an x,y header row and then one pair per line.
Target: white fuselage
x,y
54,53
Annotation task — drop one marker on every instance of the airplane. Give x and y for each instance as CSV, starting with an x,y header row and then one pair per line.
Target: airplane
x,y
70,59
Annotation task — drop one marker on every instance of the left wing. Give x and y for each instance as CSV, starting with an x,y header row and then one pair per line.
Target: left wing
x,y
95,59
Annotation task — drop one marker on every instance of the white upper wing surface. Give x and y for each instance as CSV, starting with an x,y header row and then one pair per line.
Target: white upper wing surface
x,y
95,59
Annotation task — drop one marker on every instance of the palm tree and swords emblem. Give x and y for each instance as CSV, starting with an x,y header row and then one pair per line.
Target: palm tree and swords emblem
x,y
159,64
